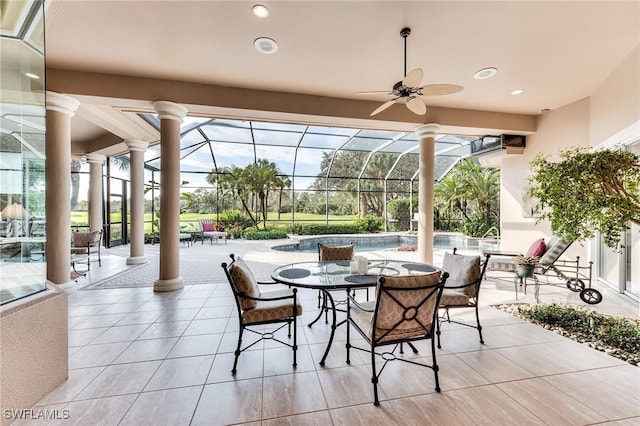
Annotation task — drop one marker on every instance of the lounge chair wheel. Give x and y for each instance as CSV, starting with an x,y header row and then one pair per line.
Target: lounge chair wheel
x,y
575,284
591,296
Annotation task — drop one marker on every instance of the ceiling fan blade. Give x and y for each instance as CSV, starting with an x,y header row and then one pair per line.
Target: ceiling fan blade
x,y
440,89
383,107
414,78
416,105
376,92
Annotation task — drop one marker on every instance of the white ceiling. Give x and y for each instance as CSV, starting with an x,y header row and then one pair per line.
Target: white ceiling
x,y
557,52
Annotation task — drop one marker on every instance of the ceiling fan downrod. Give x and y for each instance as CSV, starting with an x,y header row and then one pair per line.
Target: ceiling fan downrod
x,y
404,33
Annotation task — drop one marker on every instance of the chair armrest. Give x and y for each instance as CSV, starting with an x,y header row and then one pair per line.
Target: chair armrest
x,y
501,253
359,306
269,299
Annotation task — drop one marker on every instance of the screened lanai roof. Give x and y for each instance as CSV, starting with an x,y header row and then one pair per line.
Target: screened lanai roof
x,y
209,145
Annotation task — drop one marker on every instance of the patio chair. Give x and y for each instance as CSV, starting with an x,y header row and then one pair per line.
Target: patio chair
x,y
183,237
87,243
462,289
256,308
332,253
405,310
209,229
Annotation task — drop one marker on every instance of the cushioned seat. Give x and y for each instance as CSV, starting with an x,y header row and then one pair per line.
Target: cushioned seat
x,y
208,229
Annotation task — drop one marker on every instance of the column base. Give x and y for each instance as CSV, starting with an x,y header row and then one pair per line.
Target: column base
x,y
69,287
168,285
136,260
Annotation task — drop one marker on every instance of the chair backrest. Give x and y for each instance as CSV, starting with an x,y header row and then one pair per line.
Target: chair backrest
x,y
87,239
556,247
406,306
465,272
329,253
242,282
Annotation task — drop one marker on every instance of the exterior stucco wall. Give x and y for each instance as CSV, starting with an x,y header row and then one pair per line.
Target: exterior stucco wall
x,y
614,106
34,352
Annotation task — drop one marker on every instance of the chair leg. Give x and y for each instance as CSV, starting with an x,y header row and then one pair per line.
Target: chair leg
x,y
438,330
319,298
479,326
237,352
435,365
413,348
374,377
295,342
348,345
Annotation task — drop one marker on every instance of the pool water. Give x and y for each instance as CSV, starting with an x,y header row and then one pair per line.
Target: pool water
x,y
370,242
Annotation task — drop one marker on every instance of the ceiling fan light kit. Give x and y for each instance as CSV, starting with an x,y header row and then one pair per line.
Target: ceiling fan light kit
x,y
408,90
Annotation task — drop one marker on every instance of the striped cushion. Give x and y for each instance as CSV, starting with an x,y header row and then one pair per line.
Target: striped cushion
x,y
453,298
557,246
332,253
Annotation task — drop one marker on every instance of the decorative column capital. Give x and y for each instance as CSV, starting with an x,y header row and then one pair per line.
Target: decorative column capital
x,y
95,158
170,110
136,145
61,103
429,130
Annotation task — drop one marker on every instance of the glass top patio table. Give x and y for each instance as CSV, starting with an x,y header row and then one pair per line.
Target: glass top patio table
x,y
325,276
337,275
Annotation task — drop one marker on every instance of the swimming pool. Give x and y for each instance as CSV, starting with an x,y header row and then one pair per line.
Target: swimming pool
x,y
373,242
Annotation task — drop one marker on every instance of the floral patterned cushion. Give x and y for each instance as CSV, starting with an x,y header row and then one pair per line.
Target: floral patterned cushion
x,y
327,253
462,270
244,282
453,298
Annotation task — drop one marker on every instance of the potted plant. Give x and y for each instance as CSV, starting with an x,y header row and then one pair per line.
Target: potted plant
x,y
526,265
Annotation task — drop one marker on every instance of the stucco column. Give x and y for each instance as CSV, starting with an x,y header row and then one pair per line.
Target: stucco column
x,y
95,191
136,246
171,116
60,109
426,134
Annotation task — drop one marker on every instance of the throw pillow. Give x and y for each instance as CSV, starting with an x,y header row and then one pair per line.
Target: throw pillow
x,y
244,282
537,249
208,227
462,270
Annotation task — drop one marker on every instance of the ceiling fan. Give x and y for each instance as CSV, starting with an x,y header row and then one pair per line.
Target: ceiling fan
x,y
408,90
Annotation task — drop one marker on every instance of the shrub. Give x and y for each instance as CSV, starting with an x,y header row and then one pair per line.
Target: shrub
x,y
271,234
622,334
235,217
321,229
369,223
399,211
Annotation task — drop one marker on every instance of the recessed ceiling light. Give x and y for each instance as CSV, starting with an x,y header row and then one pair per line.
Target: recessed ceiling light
x,y
260,11
485,73
32,75
265,45
517,92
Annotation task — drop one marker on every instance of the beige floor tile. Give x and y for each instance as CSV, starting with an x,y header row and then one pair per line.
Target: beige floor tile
x,y
96,355
400,379
161,330
582,386
455,338
97,412
206,326
365,415
139,317
518,334
188,303
348,386
171,407
229,342
291,394
280,361
120,308
125,333
250,366
318,418
172,314
120,379
84,336
214,312
455,374
493,366
96,321
557,357
77,381
433,409
147,350
205,344
179,372
488,405
624,378
553,405
229,402
633,421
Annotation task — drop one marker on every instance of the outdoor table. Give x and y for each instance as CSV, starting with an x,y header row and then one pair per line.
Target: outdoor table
x,y
326,276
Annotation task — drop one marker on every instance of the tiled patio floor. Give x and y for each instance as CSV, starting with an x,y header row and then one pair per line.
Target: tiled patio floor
x,y
142,358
